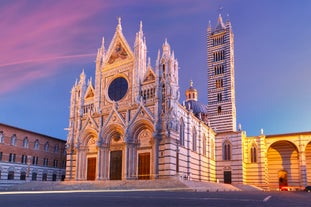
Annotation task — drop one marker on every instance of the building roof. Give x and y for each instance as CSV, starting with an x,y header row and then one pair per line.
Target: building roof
x,y
29,131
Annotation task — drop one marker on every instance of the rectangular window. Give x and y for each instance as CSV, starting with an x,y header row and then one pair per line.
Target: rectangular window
x,y
219,97
24,159
0,156
219,83
55,163
12,157
35,160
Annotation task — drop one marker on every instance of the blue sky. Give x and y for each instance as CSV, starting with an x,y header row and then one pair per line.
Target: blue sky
x,y
46,44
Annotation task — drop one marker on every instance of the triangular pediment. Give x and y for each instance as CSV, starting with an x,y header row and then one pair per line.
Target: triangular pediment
x,y
119,51
89,92
90,123
115,118
150,76
143,113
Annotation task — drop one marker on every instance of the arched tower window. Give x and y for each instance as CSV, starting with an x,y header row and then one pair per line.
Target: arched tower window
x,y
182,133
254,154
227,150
219,109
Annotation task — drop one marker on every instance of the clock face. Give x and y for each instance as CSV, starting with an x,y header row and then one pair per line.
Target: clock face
x,y
117,89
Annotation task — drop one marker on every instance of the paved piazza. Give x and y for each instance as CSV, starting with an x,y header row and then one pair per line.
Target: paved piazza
x,y
153,198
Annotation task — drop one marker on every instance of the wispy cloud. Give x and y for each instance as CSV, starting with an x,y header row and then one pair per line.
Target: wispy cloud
x,y
37,32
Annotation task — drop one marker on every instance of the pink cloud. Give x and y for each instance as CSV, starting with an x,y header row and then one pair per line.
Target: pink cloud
x,y
41,32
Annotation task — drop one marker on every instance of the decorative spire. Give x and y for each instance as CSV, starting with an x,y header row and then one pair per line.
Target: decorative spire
x,y
220,24
140,26
166,47
119,27
191,83
149,62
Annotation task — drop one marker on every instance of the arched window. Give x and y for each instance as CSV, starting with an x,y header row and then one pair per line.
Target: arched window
x,y
182,133
204,145
56,148
36,145
227,150
13,140
254,154
194,139
1,137
25,142
219,109
212,149
46,147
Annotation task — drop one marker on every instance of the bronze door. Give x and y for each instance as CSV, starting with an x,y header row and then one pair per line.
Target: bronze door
x,y
91,168
144,166
116,165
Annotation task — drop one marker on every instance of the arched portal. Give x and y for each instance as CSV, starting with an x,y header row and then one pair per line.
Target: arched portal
x,y
283,164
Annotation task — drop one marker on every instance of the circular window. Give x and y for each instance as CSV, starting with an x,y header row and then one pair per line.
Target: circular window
x,y
117,89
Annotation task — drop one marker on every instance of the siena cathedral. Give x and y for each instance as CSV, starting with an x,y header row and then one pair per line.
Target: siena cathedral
x,y
133,123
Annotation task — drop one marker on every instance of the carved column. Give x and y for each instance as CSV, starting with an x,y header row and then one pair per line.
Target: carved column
x,y
131,161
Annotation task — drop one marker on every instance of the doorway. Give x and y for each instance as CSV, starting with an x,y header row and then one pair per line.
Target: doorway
x,y
227,177
283,181
91,168
116,165
144,166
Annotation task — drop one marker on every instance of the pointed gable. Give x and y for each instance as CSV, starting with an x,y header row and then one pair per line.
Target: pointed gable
x,y
119,51
150,76
89,91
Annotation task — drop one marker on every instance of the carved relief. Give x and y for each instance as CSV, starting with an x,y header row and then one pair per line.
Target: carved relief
x,y
144,138
119,52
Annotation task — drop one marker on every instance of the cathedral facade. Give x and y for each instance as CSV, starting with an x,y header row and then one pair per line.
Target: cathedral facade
x,y
133,122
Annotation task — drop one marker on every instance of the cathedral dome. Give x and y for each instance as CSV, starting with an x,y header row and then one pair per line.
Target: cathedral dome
x,y
192,104
196,107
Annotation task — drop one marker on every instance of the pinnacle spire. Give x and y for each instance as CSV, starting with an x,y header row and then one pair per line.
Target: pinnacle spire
x,y
119,27
220,24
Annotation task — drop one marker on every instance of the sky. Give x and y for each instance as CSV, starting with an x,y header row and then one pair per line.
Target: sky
x,y
45,45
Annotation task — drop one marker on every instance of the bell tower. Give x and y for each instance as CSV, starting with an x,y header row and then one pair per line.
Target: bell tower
x,y
221,86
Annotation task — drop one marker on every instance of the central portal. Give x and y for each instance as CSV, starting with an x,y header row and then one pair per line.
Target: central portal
x,y
116,165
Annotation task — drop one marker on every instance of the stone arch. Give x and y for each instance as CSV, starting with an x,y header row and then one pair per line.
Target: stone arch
x,y
11,173
87,135
113,133
141,133
283,156
137,128
87,155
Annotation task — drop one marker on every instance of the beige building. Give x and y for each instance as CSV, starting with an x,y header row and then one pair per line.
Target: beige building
x,y
130,123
